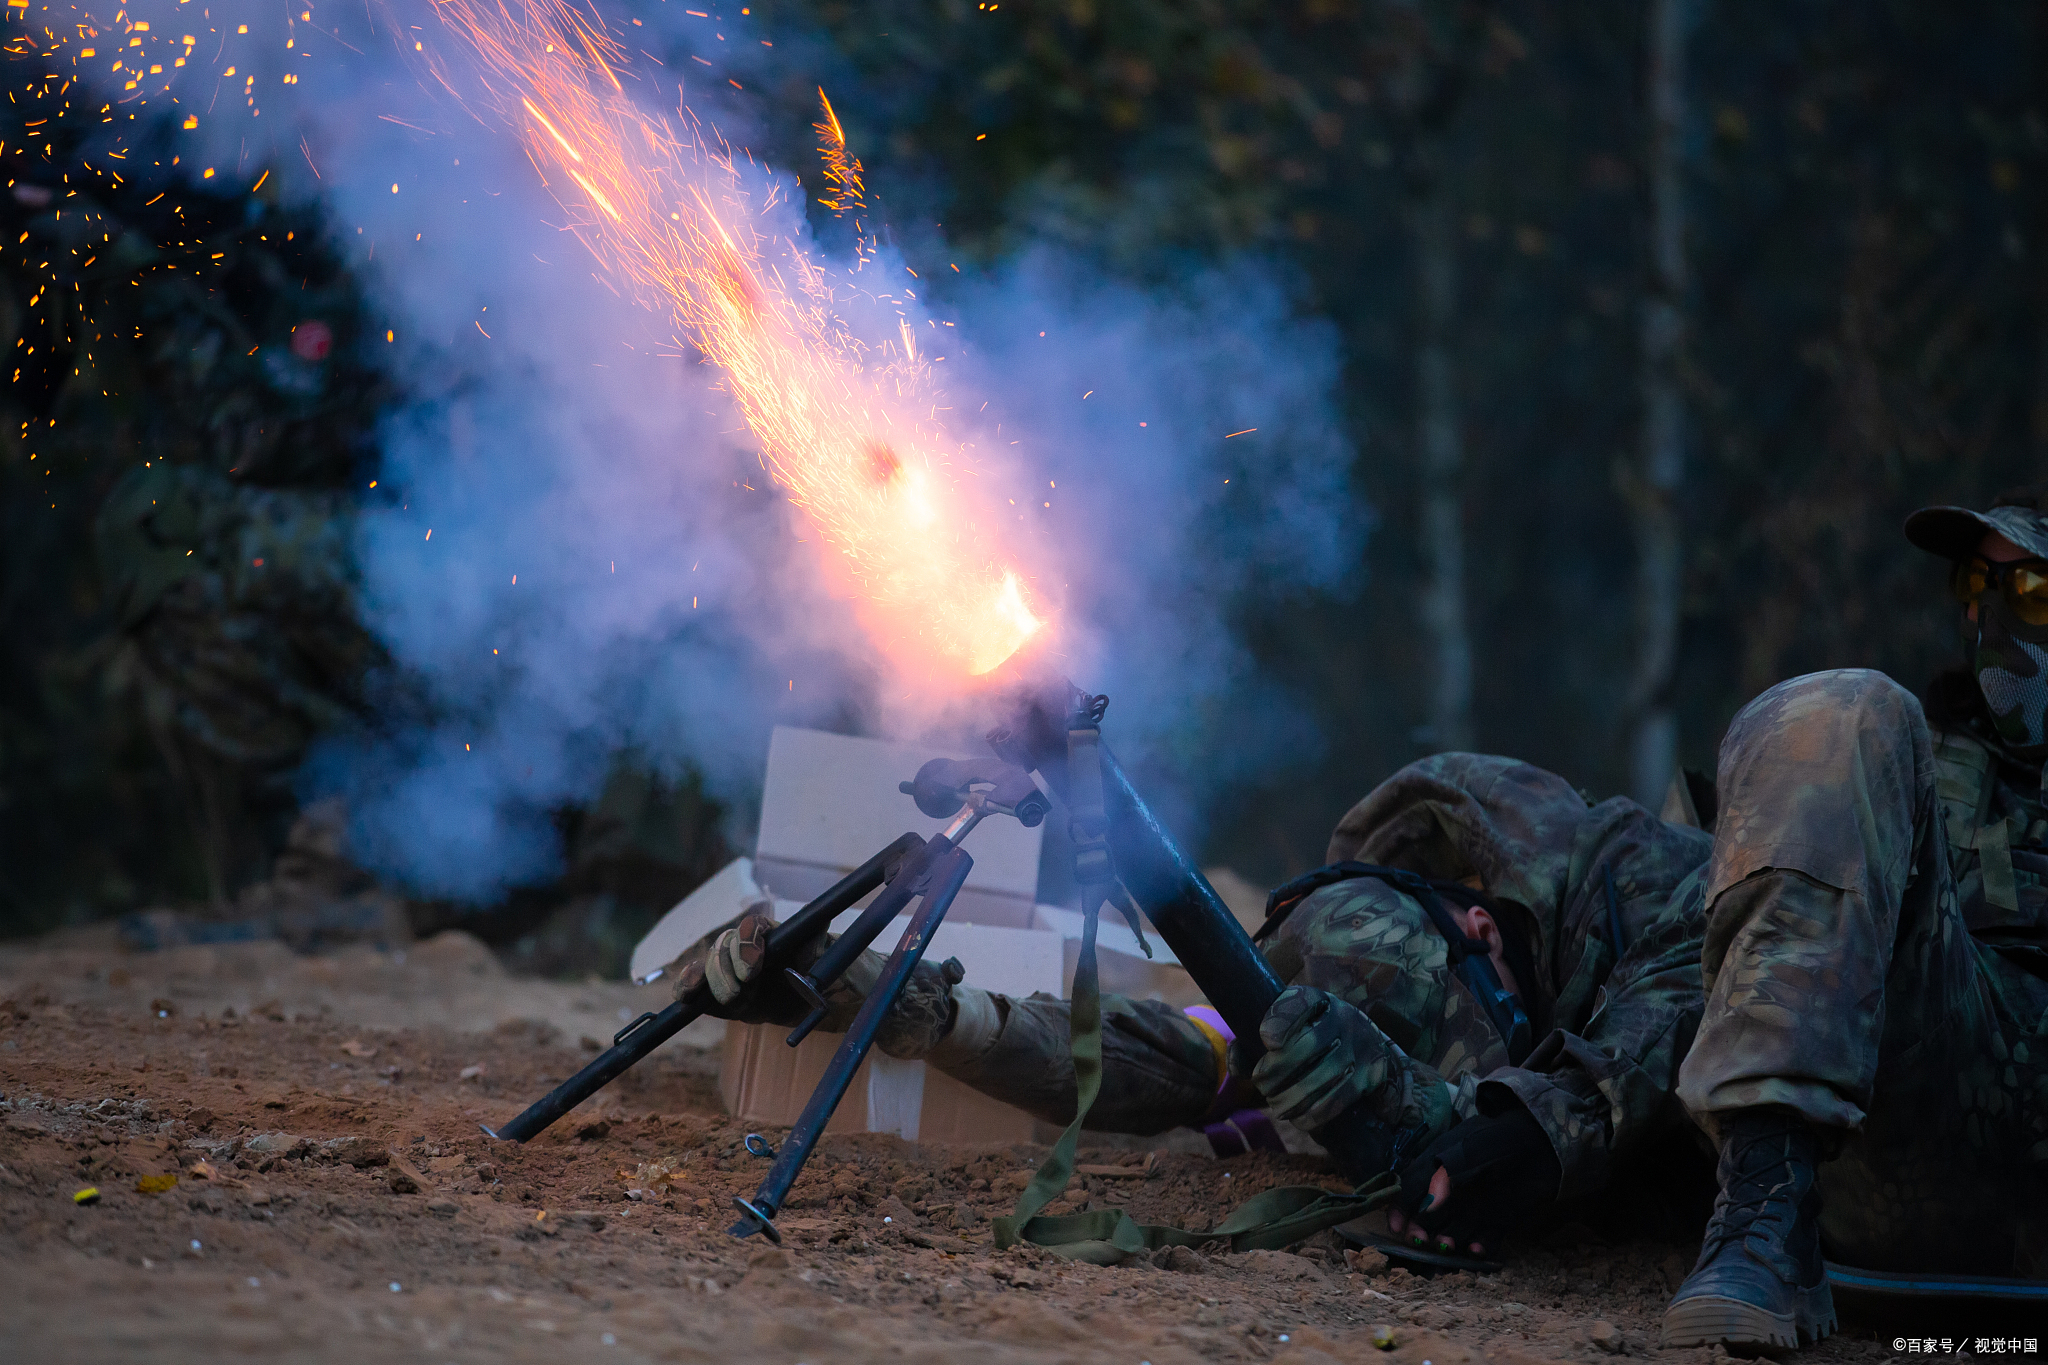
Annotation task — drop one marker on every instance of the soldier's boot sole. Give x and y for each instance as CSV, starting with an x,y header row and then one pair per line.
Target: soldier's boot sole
x,y
1714,1319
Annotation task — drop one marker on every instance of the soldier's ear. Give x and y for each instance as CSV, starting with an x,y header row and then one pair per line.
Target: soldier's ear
x,y
1482,926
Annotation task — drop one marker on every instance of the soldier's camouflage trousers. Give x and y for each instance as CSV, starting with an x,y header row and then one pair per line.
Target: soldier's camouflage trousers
x,y
1842,983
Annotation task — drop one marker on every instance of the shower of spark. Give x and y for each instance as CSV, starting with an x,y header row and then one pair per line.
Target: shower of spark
x,y
841,169
848,430
848,426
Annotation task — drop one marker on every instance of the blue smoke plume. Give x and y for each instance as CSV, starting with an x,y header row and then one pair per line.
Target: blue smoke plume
x,y
573,549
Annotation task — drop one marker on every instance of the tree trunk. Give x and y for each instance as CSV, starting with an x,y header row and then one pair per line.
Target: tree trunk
x,y
1653,495
2038,423
1433,243
1438,45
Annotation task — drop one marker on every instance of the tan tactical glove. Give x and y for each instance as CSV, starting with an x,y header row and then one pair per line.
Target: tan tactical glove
x,y
731,960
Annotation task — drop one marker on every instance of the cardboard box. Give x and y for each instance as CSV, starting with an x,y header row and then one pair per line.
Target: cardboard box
x,y
991,961
831,803
763,1080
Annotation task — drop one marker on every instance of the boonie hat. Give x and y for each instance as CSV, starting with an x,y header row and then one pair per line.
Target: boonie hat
x,y
2020,515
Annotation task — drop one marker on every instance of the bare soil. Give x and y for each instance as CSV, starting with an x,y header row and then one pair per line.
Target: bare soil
x,y
335,1200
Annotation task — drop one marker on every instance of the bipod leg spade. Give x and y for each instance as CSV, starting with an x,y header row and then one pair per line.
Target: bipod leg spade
x,y
947,875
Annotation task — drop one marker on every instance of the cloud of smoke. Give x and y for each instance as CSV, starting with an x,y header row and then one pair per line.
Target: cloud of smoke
x,y
580,552
1186,442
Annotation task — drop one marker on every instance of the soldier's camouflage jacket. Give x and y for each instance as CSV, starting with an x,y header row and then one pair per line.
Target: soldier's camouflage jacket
x,y
1616,990
1601,1079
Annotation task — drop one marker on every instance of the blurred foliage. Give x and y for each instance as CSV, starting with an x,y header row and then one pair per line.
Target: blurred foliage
x,y
186,419
1872,268
193,428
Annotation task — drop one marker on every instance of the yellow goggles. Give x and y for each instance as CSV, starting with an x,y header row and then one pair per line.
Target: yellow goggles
x,y
2023,583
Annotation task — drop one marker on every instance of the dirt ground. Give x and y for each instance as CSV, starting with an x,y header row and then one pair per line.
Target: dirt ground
x,y
335,1200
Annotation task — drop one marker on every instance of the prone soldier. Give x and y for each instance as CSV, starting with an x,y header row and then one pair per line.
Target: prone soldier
x,y
1844,987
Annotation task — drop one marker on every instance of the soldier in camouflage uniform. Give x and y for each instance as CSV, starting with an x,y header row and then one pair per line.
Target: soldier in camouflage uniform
x,y
1873,1059
1591,914
1416,1042
1850,995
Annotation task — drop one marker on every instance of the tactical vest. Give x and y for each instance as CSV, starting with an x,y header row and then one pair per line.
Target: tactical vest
x,y
1997,837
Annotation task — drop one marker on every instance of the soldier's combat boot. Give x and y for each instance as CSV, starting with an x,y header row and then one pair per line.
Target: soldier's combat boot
x,y
1759,1281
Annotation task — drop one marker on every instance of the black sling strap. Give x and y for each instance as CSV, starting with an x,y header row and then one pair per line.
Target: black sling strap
x,y
1468,958
1613,911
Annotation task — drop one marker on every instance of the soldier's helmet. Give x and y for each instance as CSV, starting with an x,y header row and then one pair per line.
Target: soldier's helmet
x,y
1376,946
2020,515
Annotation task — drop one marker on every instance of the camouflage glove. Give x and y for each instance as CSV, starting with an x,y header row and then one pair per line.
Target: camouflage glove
x,y
1323,1056
1504,1174
730,961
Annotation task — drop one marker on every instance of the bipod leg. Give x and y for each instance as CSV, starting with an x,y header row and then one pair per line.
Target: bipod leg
x,y
948,874
650,1031
629,1045
812,985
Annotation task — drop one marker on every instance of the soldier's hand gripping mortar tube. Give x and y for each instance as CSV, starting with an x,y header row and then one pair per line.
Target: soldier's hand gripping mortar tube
x,y
1825,974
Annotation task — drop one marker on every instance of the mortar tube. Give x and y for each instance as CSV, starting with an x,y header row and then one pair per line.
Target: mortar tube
x,y
1169,888
1221,957
1193,920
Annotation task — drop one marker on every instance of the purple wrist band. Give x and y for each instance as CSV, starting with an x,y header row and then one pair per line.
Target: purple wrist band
x,y
1245,1129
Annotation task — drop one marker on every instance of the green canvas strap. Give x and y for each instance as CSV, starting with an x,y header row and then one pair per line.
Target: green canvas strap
x,y
1266,1222
1994,860
1052,1175
1964,780
1087,821
1093,869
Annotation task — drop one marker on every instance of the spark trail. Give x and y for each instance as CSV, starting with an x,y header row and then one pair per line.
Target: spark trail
x,y
845,426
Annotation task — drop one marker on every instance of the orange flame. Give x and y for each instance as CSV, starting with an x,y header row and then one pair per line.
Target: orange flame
x,y
842,423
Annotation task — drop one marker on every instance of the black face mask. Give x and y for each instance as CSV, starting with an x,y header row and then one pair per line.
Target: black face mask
x,y
2013,675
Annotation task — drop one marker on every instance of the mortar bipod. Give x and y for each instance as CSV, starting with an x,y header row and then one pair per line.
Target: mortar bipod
x,y
967,790
936,874
637,1039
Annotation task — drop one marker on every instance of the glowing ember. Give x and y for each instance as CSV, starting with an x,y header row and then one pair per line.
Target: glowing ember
x,y
844,428
847,425
840,168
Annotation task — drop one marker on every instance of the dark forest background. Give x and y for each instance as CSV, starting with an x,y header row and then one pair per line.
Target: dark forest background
x,y
1658,319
